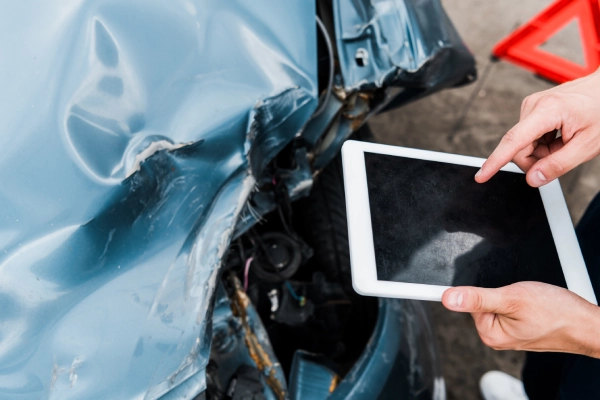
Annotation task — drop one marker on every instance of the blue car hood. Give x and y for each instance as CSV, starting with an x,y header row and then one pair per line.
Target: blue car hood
x,y
131,135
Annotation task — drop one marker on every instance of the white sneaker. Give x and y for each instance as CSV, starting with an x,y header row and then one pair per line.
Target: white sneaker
x,y
496,385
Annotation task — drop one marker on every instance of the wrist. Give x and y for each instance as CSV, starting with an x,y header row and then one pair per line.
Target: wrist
x,y
585,331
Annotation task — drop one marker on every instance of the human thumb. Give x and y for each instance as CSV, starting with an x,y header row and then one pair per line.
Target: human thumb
x,y
473,299
576,152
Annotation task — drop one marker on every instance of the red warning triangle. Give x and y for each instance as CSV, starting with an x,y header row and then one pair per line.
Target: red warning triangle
x,y
522,46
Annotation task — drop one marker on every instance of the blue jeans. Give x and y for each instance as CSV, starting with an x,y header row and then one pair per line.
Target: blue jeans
x,y
569,376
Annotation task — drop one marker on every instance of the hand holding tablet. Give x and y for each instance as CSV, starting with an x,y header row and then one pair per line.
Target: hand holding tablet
x,y
530,316
510,221
419,224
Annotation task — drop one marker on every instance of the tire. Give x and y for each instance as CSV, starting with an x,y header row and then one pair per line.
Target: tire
x,y
321,220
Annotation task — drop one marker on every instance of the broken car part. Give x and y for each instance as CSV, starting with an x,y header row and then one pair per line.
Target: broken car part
x,y
141,139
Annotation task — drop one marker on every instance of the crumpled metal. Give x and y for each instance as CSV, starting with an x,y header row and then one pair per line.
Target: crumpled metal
x,y
408,43
131,136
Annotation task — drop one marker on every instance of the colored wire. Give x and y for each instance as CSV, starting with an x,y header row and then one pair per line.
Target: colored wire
x,y
300,299
246,269
292,291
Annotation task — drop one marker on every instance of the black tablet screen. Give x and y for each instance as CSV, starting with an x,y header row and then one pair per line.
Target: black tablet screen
x,y
433,224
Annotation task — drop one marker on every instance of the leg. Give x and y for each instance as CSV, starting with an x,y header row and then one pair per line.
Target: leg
x,y
542,375
581,374
546,375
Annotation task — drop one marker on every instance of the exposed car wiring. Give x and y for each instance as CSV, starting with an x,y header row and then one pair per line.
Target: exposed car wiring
x,y
239,305
285,224
246,270
300,299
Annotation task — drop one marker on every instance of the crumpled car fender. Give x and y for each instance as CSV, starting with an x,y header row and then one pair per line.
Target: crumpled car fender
x,y
132,133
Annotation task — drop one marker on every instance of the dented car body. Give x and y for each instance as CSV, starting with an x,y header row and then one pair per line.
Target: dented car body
x,y
144,143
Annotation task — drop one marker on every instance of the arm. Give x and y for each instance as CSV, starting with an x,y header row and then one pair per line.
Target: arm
x,y
532,315
572,108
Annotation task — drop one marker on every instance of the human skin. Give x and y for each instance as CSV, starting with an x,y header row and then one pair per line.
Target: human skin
x,y
536,316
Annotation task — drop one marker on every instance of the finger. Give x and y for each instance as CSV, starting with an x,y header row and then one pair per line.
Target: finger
x,y
550,136
525,162
540,121
542,150
559,162
474,300
527,105
486,325
530,102
491,332
528,157
556,145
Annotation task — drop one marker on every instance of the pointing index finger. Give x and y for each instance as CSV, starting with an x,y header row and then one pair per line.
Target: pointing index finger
x,y
519,137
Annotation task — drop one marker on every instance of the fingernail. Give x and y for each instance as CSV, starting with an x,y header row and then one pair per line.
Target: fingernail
x,y
455,299
478,173
538,178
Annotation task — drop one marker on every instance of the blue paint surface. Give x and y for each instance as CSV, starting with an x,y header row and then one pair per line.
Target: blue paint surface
x,y
131,138
106,276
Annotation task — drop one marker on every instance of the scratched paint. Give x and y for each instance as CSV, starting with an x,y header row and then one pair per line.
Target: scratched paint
x,y
132,136
127,130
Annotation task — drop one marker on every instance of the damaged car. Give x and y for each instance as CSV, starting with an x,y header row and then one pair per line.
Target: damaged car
x,y
172,213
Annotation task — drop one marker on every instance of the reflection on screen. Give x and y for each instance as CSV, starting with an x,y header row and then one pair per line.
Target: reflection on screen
x,y
433,224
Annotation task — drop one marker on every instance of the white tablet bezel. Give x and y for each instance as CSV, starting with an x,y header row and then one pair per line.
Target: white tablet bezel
x,y
362,251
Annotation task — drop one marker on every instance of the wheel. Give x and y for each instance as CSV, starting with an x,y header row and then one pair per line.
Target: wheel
x,y
321,220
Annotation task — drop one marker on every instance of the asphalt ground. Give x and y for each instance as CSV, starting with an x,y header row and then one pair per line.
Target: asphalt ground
x,y
471,120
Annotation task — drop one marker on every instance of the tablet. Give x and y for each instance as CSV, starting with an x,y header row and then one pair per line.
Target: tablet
x,y
418,224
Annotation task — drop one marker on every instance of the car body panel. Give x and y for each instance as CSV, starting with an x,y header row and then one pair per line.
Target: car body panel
x,y
109,259
133,136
